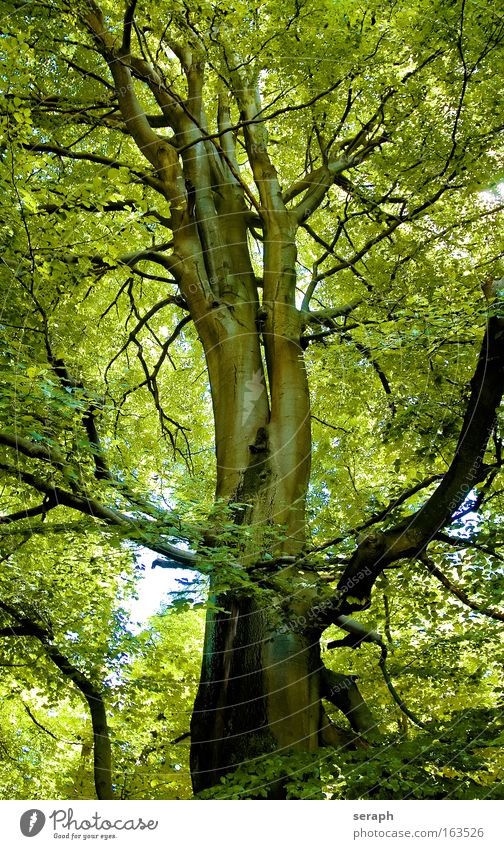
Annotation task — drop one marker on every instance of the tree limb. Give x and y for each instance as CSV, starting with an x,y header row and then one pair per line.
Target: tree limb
x,y
128,23
83,503
35,451
457,591
326,315
94,157
342,691
460,542
39,724
94,699
28,513
412,535
381,514
319,182
359,634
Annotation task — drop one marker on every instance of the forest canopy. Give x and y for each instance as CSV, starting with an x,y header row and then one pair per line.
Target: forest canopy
x,y
251,338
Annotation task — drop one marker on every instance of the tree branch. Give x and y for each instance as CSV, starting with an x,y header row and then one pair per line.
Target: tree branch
x,y
94,699
94,157
34,451
170,299
384,234
458,592
459,542
319,182
326,315
412,535
342,691
467,468
39,724
83,503
381,514
28,513
128,23
359,634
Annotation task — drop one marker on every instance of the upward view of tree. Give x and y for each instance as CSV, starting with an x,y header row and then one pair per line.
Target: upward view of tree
x,y
252,264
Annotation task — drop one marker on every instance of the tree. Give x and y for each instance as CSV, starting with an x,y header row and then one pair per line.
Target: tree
x,y
275,200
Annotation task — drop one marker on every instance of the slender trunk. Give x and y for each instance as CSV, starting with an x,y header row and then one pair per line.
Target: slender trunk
x,y
102,754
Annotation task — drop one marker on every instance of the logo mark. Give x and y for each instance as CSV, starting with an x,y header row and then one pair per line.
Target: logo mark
x,y
32,822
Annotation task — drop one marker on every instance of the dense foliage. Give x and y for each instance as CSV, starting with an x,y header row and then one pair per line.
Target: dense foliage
x,y
107,418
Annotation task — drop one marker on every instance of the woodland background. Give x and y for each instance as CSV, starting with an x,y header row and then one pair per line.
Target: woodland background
x,y
106,402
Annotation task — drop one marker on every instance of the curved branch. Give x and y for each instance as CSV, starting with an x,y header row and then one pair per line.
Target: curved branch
x,y
32,450
412,535
343,693
327,315
101,750
459,542
40,509
381,514
382,377
128,24
170,299
467,468
359,634
260,118
320,181
393,692
384,234
458,592
83,503
39,724
19,631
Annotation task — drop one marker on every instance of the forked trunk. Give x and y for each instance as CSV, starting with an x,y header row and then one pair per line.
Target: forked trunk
x,y
260,683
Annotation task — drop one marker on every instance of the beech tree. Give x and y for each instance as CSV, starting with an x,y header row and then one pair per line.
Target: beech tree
x,y
226,224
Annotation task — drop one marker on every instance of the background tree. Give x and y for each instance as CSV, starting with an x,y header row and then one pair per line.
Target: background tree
x,y
208,211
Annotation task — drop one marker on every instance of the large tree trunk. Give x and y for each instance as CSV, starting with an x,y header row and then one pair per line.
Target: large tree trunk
x,y
259,692
260,682
259,689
